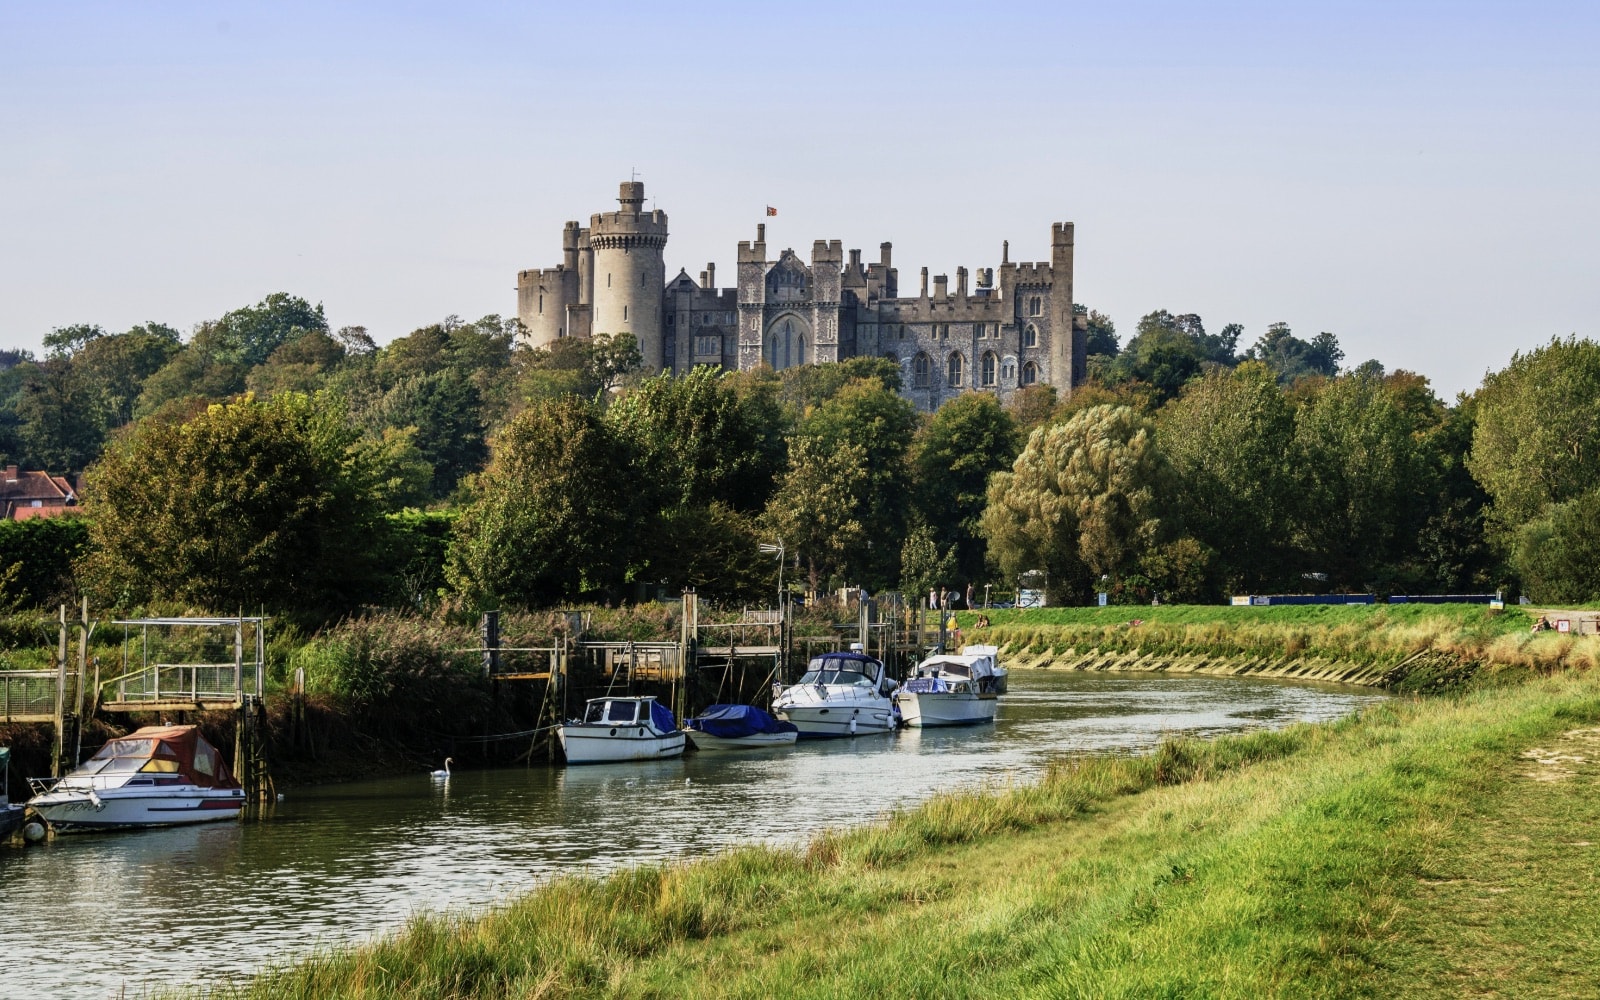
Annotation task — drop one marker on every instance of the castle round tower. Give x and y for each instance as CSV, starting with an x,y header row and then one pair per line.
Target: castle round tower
x,y
629,272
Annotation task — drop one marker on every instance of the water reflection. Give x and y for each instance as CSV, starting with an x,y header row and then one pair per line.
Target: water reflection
x,y
346,862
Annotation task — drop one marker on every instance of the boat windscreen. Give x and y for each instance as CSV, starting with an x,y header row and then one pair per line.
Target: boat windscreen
x,y
126,748
622,711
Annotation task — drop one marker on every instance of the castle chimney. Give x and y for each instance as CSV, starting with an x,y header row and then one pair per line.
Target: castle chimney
x,y
630,195
941,287
704,281
855,260
961,283
883,254
711,276
924,282
761,232
1005,252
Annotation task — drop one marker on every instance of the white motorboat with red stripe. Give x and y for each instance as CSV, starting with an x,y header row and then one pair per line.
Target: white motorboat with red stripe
x,y
155,776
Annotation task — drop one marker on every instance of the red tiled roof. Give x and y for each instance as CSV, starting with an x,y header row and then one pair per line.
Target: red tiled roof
x,y
27,513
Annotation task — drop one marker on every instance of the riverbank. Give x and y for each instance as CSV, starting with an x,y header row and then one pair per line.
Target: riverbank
x,y
1403,648
1409,851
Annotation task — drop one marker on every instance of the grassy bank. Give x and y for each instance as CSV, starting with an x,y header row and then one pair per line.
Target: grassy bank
x,y
1428,848
1367,643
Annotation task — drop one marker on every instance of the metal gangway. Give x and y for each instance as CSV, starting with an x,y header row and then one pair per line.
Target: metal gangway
x,y
29,695
148,685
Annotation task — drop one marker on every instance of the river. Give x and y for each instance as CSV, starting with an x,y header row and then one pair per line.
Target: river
x,y
93,916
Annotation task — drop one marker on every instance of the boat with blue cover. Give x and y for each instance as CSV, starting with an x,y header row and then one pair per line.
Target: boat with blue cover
x,y
622,729
739,727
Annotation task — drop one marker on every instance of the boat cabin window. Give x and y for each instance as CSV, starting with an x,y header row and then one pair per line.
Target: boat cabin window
x,y
124,748
837,670
612,711
160,766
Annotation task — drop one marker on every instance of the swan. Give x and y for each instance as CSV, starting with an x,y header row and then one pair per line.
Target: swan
x,y
441,775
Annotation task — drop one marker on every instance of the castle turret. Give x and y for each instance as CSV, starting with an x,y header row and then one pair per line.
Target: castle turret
x,y
629,272
1068,355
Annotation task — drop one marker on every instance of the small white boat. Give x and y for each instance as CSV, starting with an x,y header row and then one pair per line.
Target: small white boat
x,y
738,727
155,776
1001,675
841,694
621,729
951,690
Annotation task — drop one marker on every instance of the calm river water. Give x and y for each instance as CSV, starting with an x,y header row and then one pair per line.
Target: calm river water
x,y
92,916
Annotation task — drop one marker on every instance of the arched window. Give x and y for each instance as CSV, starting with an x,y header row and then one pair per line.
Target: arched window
x,y
1008,371
991,368
919,371
1030,373
1034,306
956,369
787,345
1030,336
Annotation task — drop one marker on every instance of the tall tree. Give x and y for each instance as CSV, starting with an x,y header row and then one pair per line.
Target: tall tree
x,y
1082,501
876,419
255,503
817,509
549,518
1230,439
1537,440
1292,358
968,439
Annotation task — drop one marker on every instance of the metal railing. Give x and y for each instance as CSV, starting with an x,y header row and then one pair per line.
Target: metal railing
x,y
181,682
27,694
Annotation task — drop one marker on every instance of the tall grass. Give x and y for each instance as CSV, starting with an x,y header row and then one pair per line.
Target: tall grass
x,y
1269,864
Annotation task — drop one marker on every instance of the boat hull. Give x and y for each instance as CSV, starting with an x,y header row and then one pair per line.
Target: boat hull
x,y
838,720
617,744
77,811
755,741
952,709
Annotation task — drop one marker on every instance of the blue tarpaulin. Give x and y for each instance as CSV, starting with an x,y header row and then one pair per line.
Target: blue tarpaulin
x,y
733,721
661,717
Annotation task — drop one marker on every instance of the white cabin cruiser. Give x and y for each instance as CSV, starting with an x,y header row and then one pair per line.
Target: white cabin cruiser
x,y
952,690
841,694
622,729
155,776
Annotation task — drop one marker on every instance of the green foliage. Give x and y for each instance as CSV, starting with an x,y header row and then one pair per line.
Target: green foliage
x,y
1537,439
395,675
250,504
38,555
924,566
816,510
549,518
968,439
577,366
1229,438
808,386
1082,500
1555,555
868,416
1292,358
417,544
714,549
1101,337
1365,482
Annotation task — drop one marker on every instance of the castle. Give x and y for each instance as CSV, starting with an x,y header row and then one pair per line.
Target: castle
x,y
990,337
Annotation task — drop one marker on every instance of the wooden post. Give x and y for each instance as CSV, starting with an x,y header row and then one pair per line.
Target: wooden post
x,y
83,674
61,698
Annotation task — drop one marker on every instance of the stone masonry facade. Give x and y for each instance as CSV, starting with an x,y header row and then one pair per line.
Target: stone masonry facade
x,y
1013,327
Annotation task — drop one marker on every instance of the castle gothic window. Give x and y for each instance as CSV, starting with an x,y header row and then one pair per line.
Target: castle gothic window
x,y
990,368
956,370
1035,305
1009,371
708,346
1030,373
919,371
1030,336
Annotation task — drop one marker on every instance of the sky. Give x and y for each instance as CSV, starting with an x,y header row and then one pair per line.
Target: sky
x,y
1416,177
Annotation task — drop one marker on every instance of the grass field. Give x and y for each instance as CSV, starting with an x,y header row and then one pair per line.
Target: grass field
x,y
1437,847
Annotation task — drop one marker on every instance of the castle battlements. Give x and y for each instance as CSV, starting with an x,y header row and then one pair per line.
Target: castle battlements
x,y
1000,329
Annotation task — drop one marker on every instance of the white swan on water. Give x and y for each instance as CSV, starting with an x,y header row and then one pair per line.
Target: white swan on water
x,y
441,775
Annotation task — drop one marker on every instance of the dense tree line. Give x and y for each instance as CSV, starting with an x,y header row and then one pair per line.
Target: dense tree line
x,y
268,461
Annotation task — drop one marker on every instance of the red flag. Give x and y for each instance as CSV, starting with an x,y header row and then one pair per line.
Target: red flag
x,y
771,210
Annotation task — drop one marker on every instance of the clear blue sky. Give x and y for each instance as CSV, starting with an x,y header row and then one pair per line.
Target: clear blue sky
x,y
1418,178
